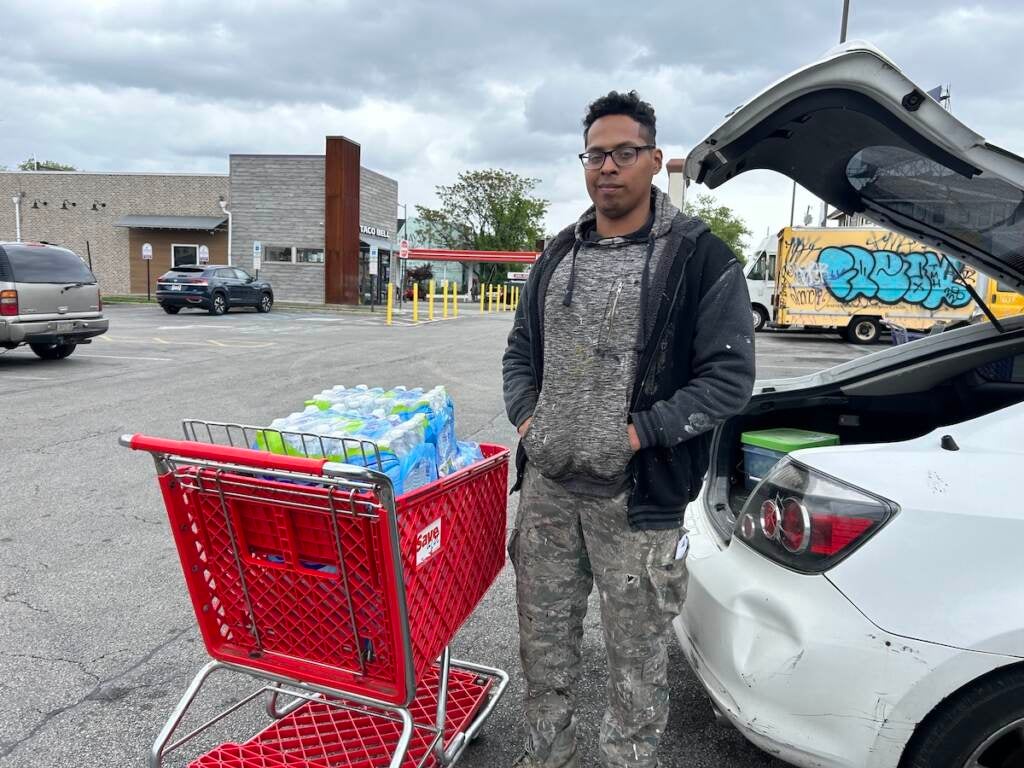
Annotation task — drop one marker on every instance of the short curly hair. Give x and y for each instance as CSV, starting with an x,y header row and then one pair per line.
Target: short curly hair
x,y
629,104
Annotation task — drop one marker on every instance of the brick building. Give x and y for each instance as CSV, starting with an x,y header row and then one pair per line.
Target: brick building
x,y
279,201
310,223
81,211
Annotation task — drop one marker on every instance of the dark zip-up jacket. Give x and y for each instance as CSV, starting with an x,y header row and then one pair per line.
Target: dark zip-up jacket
x,y
696,368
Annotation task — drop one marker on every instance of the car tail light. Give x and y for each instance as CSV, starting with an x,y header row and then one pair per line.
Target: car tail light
x,y
8,303
197,281
808,521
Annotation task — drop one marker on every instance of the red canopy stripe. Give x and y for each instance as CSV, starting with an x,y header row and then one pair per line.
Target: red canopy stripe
x,y
500,257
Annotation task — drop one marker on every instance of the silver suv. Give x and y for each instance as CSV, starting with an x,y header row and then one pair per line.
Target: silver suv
x,y
49,300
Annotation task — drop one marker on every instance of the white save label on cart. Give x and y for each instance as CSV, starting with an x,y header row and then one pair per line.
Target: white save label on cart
x,y
428,542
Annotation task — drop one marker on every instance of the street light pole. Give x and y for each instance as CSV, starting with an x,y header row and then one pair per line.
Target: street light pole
x,y
401,265
17,217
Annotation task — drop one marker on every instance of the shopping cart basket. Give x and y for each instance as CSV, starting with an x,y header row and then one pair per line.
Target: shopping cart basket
x,y
311,577
901,335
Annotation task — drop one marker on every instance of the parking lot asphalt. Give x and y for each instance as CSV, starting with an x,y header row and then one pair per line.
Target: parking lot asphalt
x,y
97,634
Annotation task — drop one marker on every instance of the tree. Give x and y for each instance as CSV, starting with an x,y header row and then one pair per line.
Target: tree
x,y
44,165
489,210
722,221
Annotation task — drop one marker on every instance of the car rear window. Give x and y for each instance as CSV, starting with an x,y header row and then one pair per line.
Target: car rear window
x,y
34,264
983,211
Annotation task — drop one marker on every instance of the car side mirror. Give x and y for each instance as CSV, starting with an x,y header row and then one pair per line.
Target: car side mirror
x,y
250,279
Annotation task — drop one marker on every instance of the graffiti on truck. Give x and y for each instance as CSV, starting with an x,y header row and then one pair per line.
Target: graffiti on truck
x,y
922,278
885,269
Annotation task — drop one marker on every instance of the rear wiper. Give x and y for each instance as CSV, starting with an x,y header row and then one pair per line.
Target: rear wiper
x,y
73,285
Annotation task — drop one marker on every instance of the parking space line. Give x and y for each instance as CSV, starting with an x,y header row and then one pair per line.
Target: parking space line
x,y
121,357
209,327
212,343
25,378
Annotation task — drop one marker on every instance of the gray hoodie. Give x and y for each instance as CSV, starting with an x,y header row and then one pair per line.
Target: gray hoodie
x,y
592,337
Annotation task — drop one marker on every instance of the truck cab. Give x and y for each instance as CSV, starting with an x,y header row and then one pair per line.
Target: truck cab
x,y
760,274
1003,299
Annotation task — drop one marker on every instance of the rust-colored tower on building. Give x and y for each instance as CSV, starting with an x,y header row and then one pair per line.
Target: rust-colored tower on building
x,y
341,221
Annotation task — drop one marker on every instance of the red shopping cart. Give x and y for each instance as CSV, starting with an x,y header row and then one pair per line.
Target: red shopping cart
x,y
311,577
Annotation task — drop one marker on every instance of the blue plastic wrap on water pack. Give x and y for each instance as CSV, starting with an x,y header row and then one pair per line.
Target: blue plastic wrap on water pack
x,y
404,454
467,454
435,404
439,409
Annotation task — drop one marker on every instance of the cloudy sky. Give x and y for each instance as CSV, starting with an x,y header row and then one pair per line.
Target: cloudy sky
x,y
430,88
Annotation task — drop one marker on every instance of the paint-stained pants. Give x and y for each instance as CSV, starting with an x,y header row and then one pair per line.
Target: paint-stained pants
x,y
563,544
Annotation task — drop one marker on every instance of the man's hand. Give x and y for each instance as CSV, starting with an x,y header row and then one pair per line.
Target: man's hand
x,y
525,426
634,441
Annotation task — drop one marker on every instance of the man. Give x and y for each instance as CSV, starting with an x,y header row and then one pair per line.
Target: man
x,y
632,340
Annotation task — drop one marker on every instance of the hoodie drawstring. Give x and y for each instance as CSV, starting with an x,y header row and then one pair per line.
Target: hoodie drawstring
x,y
567,299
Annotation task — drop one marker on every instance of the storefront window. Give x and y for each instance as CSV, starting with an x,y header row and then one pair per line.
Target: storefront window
x,y
309,255
183,255
277,253
372,288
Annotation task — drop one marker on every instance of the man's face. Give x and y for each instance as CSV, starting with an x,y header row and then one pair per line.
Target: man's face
x,y
617,191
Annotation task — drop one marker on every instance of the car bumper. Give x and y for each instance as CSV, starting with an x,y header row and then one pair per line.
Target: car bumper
x,y
179,299
52,331
796,668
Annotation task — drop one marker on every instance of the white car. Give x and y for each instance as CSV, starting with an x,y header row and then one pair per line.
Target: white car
x,y
863,604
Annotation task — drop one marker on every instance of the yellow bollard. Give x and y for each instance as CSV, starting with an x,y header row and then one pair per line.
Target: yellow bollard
x,y
482,296
455,299
430,300
490,298
501,298
391,301
515,298
416,302
504,298
444,299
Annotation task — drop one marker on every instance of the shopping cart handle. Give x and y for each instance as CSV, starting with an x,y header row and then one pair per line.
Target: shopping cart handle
x,y
224,454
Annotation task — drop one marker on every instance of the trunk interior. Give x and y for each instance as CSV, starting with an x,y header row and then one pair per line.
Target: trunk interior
x,y
946,397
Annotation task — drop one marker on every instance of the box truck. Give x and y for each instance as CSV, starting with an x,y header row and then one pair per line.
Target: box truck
x,y
854,280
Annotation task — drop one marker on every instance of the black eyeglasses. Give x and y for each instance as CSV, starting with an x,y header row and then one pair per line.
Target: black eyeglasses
x,y
621,156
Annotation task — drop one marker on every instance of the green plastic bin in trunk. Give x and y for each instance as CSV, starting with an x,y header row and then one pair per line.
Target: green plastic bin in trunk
x,y
763,449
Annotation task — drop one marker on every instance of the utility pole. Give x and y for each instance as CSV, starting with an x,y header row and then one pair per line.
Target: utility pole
x,y
842,39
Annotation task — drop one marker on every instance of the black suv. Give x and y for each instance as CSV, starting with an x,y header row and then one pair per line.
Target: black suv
x,y
215,288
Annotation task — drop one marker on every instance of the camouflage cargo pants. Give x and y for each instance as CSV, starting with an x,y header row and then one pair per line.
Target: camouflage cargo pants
x,y
563,544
